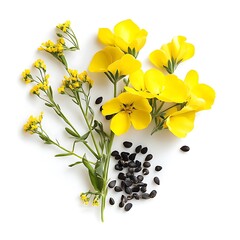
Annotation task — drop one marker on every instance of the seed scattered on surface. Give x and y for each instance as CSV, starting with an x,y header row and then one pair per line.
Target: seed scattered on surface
x,y
128,190
111,201
144,150
101,108
127,144
112,184
117,157
145,196
158,168
132,156
140,178
185,148
148,157
123,199
98,100
138,149
136,196
147,164
156,180
121,176
117,189
121,204
109,117
153,194
145,171
128,183
128,206
118,167
143,189
114,153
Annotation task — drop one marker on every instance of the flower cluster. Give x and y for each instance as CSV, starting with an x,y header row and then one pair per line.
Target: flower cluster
x,y
156,97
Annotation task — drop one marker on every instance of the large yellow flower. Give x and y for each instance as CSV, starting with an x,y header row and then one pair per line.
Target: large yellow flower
x,y
112,59
128,109
153,83
126,35
171,54
202,96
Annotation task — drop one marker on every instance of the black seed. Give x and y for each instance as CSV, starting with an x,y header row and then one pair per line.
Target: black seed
x,y
121,176
112,184
158,168
128,206
140,178
138,149
117,157
98,100
124,156
156,180
134,179
123,199
147,164
109,117
117,189
131,170
185,148
136,189
128,174
129,197
145,196
128,190
144,150
145,171
127,144
132,156
138,169
111,201
138,163
118,167
153,194
128,183
121,204
101,108
115,153
143,189
136,196
148,157
132,164
123,185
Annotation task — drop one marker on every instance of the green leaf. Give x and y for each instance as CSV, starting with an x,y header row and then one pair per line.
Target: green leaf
x,y
49,105
69,131
63,154
73,164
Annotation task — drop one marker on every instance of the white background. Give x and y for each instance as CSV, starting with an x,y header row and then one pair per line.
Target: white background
x,y
199,193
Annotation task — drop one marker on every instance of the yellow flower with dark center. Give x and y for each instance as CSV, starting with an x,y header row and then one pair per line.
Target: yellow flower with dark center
x,y
153,83
126,35
128,109
172,54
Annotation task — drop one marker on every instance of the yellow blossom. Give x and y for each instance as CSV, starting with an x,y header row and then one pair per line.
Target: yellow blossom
x,y
171,54
84,198
26,76
126,35
112,59
128,109
33,123
52,47
40,64
96,201
153,83
64,26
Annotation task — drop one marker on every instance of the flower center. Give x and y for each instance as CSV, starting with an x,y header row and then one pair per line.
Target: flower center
x,y
128,108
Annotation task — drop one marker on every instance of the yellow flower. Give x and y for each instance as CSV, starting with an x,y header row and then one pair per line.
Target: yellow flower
x,y
202,96
128,109
40,64
126,35
26,76
180,123
153,83
112,59
33,123
171,54
95,201
84,198
52,47
64,26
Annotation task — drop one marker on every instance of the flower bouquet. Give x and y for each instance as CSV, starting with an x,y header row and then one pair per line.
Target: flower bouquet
x,y
155,96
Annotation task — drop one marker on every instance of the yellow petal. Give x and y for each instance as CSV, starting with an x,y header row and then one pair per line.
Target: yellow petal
x,y
127,98
120,123
176,45
144,94
154,81
174,90
159,58
142,103
139,41
191,79
105,36
127,30
203,97
126,65
180,125
111,107
102,59
140,119
137,80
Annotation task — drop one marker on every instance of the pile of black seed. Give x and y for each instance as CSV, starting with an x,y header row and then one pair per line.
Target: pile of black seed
x,y
130,180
